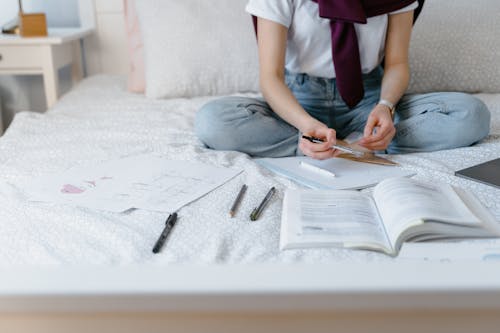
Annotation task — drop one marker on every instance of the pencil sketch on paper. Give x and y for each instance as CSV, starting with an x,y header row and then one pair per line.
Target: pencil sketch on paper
x,y
144,182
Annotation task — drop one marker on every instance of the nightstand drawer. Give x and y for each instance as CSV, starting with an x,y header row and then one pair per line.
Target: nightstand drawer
x,y
19,57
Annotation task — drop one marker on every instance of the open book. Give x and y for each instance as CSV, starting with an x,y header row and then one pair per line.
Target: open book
x,y
401,209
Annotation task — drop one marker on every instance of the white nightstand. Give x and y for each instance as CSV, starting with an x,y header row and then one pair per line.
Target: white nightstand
x,y
45,56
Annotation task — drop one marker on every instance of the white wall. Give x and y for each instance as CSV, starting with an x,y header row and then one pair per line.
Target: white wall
x,y
60,13
26,92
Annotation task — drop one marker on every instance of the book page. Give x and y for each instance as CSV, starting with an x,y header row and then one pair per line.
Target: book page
x,y
322,218
403,203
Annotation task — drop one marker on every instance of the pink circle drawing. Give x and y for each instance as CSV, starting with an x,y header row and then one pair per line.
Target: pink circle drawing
x,y
70,189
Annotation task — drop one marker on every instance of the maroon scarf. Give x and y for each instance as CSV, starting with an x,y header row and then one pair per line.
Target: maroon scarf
x,y
345,50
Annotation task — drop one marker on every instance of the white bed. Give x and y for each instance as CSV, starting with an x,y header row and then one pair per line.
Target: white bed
x,y
65,268
47,248
99,121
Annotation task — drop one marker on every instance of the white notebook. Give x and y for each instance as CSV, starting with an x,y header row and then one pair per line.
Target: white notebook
x,y
348,174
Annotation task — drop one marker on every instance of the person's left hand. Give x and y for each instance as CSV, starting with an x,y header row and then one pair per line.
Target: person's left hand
x,y
379,129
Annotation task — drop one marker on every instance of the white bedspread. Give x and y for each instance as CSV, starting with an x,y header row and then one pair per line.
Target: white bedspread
x,y
99,121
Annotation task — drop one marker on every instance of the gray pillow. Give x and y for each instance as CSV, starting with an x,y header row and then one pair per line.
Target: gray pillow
x,y
455,46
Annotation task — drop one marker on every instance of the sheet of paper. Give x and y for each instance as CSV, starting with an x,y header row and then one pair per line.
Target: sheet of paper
x,y
349,174
144,182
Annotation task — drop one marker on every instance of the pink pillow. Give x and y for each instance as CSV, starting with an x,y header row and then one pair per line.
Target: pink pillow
x,y
136,76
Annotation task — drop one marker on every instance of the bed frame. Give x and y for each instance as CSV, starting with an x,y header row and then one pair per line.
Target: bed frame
x,y
344,297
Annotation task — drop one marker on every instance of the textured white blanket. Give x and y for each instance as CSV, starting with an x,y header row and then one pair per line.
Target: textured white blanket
x,y
99,121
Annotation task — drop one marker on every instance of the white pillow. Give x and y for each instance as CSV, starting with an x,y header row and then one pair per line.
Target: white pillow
x,y
455,46
198,47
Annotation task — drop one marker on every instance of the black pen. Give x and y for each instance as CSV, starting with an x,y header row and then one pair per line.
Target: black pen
x,y
257,211
169,224
338,147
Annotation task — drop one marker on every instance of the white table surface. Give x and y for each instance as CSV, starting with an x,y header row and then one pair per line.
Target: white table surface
x,y
56,36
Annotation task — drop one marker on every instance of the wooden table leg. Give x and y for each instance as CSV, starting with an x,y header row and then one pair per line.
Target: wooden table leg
x,y
77,67
50,77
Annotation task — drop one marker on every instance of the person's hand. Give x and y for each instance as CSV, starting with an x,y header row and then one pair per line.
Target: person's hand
x,y
322,150
379,129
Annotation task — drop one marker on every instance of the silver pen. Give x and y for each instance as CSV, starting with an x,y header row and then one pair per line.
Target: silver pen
x,y
348,150
338,147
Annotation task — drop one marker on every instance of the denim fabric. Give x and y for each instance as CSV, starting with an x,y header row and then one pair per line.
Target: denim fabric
x,y
424,122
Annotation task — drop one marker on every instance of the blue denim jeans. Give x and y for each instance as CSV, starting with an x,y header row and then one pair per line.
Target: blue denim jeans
x,y
424,122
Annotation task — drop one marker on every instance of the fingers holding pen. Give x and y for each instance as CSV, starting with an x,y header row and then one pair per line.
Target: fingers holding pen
x,y
319,143
319,151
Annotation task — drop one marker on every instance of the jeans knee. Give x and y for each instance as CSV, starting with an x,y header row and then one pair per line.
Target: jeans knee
x,y
206,122
478,118
217,122
484,120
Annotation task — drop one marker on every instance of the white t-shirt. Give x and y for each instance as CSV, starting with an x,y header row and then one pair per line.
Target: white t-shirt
x,y
309,44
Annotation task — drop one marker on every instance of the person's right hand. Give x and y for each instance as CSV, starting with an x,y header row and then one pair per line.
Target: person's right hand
x,y
319,151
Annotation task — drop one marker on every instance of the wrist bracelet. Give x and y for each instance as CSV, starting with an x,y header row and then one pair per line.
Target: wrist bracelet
x,y
391,106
